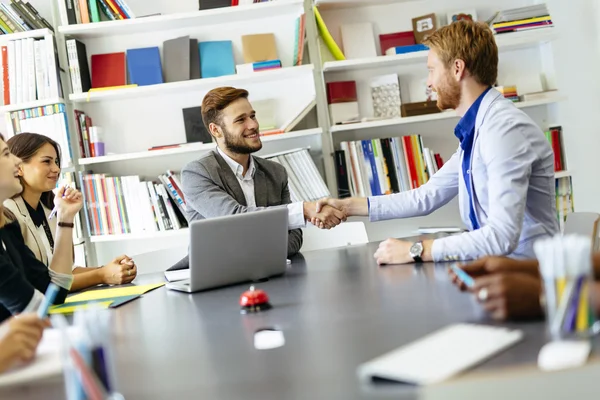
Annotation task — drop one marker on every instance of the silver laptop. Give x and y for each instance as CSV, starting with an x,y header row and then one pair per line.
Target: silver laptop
x,y
236,248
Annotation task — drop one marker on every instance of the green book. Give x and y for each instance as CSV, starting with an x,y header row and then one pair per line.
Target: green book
x,y
94,11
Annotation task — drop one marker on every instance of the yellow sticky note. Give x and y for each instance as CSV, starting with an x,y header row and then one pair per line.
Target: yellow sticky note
x,y
71,309
114,292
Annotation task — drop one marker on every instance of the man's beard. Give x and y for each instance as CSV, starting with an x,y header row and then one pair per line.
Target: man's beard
x,y
238,145
449,95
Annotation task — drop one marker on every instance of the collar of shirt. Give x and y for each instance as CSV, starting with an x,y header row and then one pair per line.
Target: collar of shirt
x,y
237,168
465,130
37,215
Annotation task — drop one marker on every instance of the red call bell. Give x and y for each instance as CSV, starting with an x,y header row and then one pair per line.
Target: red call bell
x,y
254,300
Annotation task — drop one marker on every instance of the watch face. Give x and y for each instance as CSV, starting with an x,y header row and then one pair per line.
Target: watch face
x,y
416,249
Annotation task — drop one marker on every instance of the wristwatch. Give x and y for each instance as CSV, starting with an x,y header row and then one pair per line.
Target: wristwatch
x,y
416,251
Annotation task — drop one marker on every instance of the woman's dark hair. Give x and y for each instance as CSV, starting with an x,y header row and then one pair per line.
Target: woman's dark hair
x,y
25,146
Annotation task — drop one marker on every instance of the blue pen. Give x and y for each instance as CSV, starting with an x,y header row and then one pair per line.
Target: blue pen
x,y
463,276
49,297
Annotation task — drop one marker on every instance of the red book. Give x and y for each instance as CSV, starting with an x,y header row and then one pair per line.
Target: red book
x,y
397,39
410,161
438,160
108,70
556,148
88,125
234,3
341,92
5,78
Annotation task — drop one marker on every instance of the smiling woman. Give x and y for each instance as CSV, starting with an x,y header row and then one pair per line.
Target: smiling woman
x,y
23,278
39,173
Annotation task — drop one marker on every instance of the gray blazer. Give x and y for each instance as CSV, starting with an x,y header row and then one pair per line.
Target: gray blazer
x,y
212,190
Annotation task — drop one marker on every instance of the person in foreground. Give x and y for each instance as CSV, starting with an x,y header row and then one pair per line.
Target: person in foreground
x,y
502,171
23,278
39,173
19,339
230,180
511,289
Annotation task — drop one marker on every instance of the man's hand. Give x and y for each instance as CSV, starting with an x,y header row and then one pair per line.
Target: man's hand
x,y
328,217
393,251
119,271
19,338
514,295
495,264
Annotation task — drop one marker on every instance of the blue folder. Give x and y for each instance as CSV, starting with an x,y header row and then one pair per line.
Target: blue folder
x,y
216,59
144,66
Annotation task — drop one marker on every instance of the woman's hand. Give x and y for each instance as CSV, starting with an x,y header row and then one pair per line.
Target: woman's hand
x,y
19,338
119,271
68,202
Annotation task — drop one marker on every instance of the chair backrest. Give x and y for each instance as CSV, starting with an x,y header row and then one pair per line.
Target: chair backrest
x,y
159,260
345,234
583,223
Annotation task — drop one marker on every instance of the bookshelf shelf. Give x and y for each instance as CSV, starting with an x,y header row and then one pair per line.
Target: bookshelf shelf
x,y
183,20
183,232
339,4
190,148
562,174
31,104
193,85
507,41
35,34
431,117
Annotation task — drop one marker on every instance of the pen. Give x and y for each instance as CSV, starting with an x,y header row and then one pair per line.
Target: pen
x,y
463,276
54,210
49,297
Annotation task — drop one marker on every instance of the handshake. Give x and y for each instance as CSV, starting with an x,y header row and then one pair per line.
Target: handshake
x,y
326,213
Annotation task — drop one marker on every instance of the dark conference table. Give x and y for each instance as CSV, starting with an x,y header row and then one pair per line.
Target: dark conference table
x,y
336,308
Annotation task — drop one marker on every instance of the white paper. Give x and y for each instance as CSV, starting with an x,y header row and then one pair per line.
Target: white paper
x,y
178,275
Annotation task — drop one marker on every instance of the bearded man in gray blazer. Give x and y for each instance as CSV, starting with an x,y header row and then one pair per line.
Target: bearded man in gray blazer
x,y
229,180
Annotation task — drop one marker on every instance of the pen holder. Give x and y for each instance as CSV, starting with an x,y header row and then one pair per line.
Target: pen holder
x,y
565,267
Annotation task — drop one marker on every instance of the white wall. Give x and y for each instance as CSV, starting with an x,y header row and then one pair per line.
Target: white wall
x,y
577,59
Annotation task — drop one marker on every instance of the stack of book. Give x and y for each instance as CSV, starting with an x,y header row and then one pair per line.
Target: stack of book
x,y
522,19
258,66
300,40
29,71
383,166
83,123
564,199
305,181
509,92
19,17
554,136
86,11
120,205
49,120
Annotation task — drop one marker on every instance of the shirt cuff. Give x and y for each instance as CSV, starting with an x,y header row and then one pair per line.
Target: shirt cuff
x,y
296,215
63,280
35,302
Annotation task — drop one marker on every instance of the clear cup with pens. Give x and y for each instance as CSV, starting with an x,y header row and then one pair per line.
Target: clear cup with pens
x,y
566,270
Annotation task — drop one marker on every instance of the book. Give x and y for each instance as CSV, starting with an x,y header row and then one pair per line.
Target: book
x,y
358,40
78,66
176,56
194,60
144,66
389,40
210,4
108,70
216,59
195,131
259,47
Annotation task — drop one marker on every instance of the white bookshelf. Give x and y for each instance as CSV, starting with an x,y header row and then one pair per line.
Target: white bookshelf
x,y
182,21
505,42
432,117
196,85
191,148
31,104
35,34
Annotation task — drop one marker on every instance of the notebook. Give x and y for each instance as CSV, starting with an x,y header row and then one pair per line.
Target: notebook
x,y
260,47
176,55
108,70
216,59
440,355
144,66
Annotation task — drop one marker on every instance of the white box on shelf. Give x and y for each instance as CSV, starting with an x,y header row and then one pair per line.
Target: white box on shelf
x,y
385,92
344,112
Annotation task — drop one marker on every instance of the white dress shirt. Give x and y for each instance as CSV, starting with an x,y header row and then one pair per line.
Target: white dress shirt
x,y
295,210
511,177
